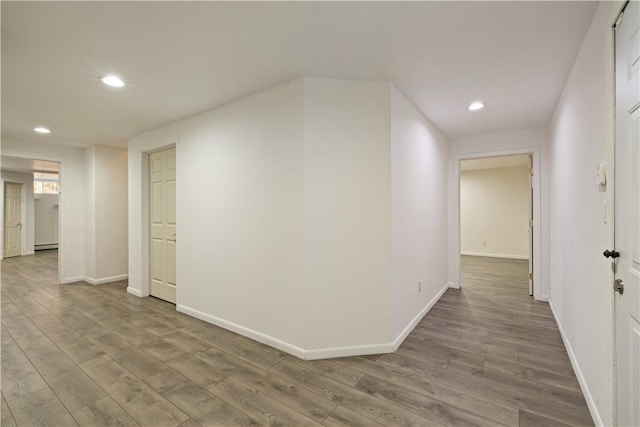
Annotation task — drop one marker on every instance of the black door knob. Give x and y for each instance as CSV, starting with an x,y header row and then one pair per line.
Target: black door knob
x,y
611,254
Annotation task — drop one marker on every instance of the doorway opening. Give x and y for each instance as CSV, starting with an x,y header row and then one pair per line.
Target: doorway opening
x,y
31,206
496,225
496,240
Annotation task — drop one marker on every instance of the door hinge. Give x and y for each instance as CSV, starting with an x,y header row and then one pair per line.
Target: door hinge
x,y
530,276
531,170
531,223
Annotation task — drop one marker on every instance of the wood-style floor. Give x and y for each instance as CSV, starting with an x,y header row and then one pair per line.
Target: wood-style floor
x,y
95,355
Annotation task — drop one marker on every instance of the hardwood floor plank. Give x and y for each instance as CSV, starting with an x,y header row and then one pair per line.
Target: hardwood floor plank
x,y
104,412
6,419
367,406
532,374
194,401
229,416
343,417
25,333
76,389
415,376
306,402
131,358
40,408
420,404
197,370
144,404
163,350
527,419
257,405
19,376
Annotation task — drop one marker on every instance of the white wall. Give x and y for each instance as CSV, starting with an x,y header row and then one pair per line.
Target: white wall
x,y
284,215
347,213
110,214
28,217
90,212
106,212
581,136
419,214
240,213
494,212
509,142
46,219
240,187
72,181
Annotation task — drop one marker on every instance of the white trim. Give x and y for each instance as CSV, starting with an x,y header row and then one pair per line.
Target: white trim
x,y
134,291
45,247
29,253
405,333
105,279
537,213
355,350
544,298
247,332
95,281
299,352
453,285
315,354
593,409
492,255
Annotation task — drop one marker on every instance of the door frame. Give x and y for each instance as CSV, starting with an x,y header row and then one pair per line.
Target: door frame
x,y
62,213
537,216
23,217
145,224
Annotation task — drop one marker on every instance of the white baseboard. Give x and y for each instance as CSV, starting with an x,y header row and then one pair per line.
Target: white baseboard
x,y
593,409
315,354
134,291
453,285
405,333
250,333
46,246
105,279
492,255
28,253
356,350
544,298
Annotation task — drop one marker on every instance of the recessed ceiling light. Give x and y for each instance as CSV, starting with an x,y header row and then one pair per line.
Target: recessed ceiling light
x,y
112,80
41,129
476,105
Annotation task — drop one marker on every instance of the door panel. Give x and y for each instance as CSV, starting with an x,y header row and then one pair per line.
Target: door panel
x,y
12,220
627,217
162,217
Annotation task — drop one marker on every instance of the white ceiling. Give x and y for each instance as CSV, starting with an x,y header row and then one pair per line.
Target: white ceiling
x,y
495,162
181,58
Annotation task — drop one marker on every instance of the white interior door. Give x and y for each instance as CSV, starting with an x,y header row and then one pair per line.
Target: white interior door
x,y
12,220
162,218
627,216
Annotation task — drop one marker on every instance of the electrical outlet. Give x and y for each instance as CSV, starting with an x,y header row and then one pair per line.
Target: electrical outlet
x,y
419,286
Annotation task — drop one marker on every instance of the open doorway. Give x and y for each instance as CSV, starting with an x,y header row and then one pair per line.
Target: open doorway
x,y
496,225
31,203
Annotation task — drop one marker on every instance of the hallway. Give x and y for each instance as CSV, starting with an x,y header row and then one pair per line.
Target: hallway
x,y
94,355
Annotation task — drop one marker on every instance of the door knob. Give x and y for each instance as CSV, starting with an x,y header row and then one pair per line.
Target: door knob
x,y
611,254
618,286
